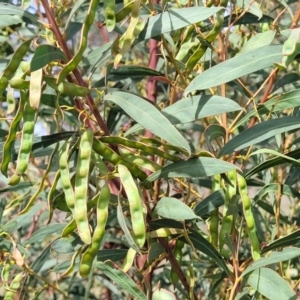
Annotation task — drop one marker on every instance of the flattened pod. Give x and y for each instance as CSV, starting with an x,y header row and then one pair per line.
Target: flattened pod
x,y
6,154
13,65
135,206
81,186
102,214
26,143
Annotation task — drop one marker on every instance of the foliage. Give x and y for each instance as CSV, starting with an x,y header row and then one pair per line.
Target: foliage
x,y
168,164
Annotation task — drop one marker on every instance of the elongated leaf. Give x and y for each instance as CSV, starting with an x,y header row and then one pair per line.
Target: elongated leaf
x,y
175,19
111,254
274,258
257,41
21,220
201,244
197,107
278,103
213,201
236,67
273,162
173,208
194,108
149,117
9,9
259,133
268,283
44,232
288,240
66,245
277,154
193,168
45,54
123,225
121,279
131,71
273,188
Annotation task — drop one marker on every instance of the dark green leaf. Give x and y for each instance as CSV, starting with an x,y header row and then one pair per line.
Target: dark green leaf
x,y
45,54
259,133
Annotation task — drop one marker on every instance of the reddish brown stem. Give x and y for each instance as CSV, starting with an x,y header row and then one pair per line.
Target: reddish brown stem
x,y
81,82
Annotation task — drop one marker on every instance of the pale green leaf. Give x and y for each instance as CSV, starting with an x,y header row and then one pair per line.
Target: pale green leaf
x,y
121,279
172,208
193,168
268,283
275,257
275,104
257,41
175,19
149,117
259,133
236,67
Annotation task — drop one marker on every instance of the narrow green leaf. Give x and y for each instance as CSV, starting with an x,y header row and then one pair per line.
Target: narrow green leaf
x,y
75,7
259,133
66,245
213,201
278,103
175,19
149,117
197,107
9,9
173,208
45,54
193,168
275,257
123,225
288,240
22,220
277,154
251,6
257,41
121,279
131,71
236,67
111,254
201,244
9,20
273,162
44,232
268,283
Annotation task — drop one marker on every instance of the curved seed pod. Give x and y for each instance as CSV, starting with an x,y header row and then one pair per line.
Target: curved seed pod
x,y
81,185
112,157
129,260
73,63
13,65
41,186
14,286
50,196
71,227
135,206
214,215
110,15
26,143
138,145
228,214
6,154
92,250
67,87
19,83
178,256
35,88
71,267
246,201
65,180
11,101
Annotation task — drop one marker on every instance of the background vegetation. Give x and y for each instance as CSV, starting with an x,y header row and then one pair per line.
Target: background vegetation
x,y
149,149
